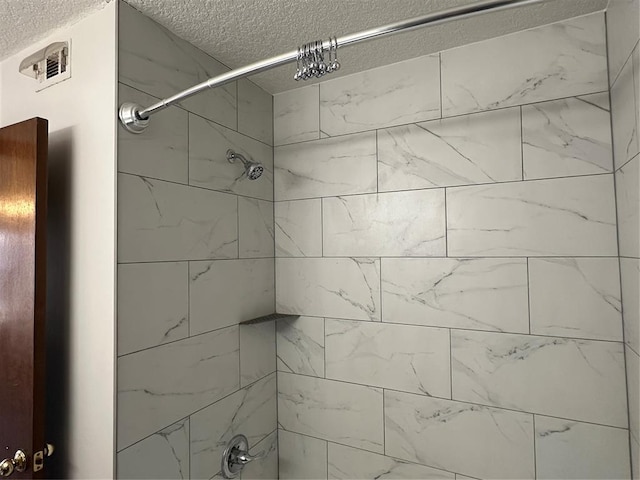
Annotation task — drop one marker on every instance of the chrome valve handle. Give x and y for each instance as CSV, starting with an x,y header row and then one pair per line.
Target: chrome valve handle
x,y
236,456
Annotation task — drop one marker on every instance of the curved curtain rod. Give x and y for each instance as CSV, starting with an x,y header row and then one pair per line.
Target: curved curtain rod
x,y
136,118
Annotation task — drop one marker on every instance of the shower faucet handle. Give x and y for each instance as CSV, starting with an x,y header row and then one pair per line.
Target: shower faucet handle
x,y
236,456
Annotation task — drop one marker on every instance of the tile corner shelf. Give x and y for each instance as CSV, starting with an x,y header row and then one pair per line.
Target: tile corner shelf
x,y
268,318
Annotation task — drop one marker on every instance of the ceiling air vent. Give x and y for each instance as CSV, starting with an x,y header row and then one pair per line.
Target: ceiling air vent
x,y
48,66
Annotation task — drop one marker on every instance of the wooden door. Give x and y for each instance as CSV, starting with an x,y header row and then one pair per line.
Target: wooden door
x,y
23,210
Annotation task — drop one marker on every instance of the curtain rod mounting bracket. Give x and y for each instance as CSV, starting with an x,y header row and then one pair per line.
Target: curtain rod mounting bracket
x,y
130,118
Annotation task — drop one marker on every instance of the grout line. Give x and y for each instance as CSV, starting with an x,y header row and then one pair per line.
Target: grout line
x,y
427,397
189,299
521,143
250,385
321,228
377,165
529,295
324,347
384,426
535,460
238,225
442,118
440,187
440,74
450,365
446,225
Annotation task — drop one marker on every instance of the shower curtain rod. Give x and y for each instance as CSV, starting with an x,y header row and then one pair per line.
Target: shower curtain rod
x,y
135,118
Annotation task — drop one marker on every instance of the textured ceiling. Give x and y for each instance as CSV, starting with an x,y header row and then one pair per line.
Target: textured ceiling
x,y
238,32
24,22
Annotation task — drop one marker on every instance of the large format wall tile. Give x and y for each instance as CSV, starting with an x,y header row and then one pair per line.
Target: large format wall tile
x,y
298,226
566,137
301,457
209,167
633,385
630,279
387,224
559,60
558,217
164,455
391,95
162,152
347,463
257,351
329,287
154,60
400,357
300,345
576,379
159,386
623,31
255,112
332,166
479,148
228,292
250,411
480,441
480,294
576,297
628,193
255,228
153,304
164,221
334,411
573,450
624,116
296,115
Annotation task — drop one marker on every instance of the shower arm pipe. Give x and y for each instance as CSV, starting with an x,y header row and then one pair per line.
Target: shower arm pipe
x,y
135,118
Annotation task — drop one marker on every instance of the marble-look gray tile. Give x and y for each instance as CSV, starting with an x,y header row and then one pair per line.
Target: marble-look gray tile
x,y
209,167
301,457
633,386
386,224
399,357
154,60
334,411
255,228
250,411
630,279
153,305
478,148
575,379
628,197
624,116
623,31
557,217
329,287
162,455
257,351
162,151
161,221
404,92
573,450
296,115
559,60
298,226
255,112
635,59
475,440
333,166
228,292
480,294
347,463
159,386
300,344
575,297
265,468
566,137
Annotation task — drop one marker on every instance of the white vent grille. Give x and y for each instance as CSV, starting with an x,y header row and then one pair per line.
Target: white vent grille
x,y
49,65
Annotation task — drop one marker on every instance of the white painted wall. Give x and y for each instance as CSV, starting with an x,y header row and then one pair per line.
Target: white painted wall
x,y
82,248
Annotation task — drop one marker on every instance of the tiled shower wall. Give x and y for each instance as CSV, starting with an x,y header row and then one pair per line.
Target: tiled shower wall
x,y
623,32
446,228
195,254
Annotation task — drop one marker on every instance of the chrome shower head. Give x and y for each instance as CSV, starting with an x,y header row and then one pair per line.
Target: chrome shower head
x,y
253,170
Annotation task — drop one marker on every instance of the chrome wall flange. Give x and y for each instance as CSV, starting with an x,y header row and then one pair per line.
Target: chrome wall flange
x,y
129,114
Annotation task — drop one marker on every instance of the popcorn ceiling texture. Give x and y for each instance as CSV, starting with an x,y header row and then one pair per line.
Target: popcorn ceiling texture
x,y
24,22
239,32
